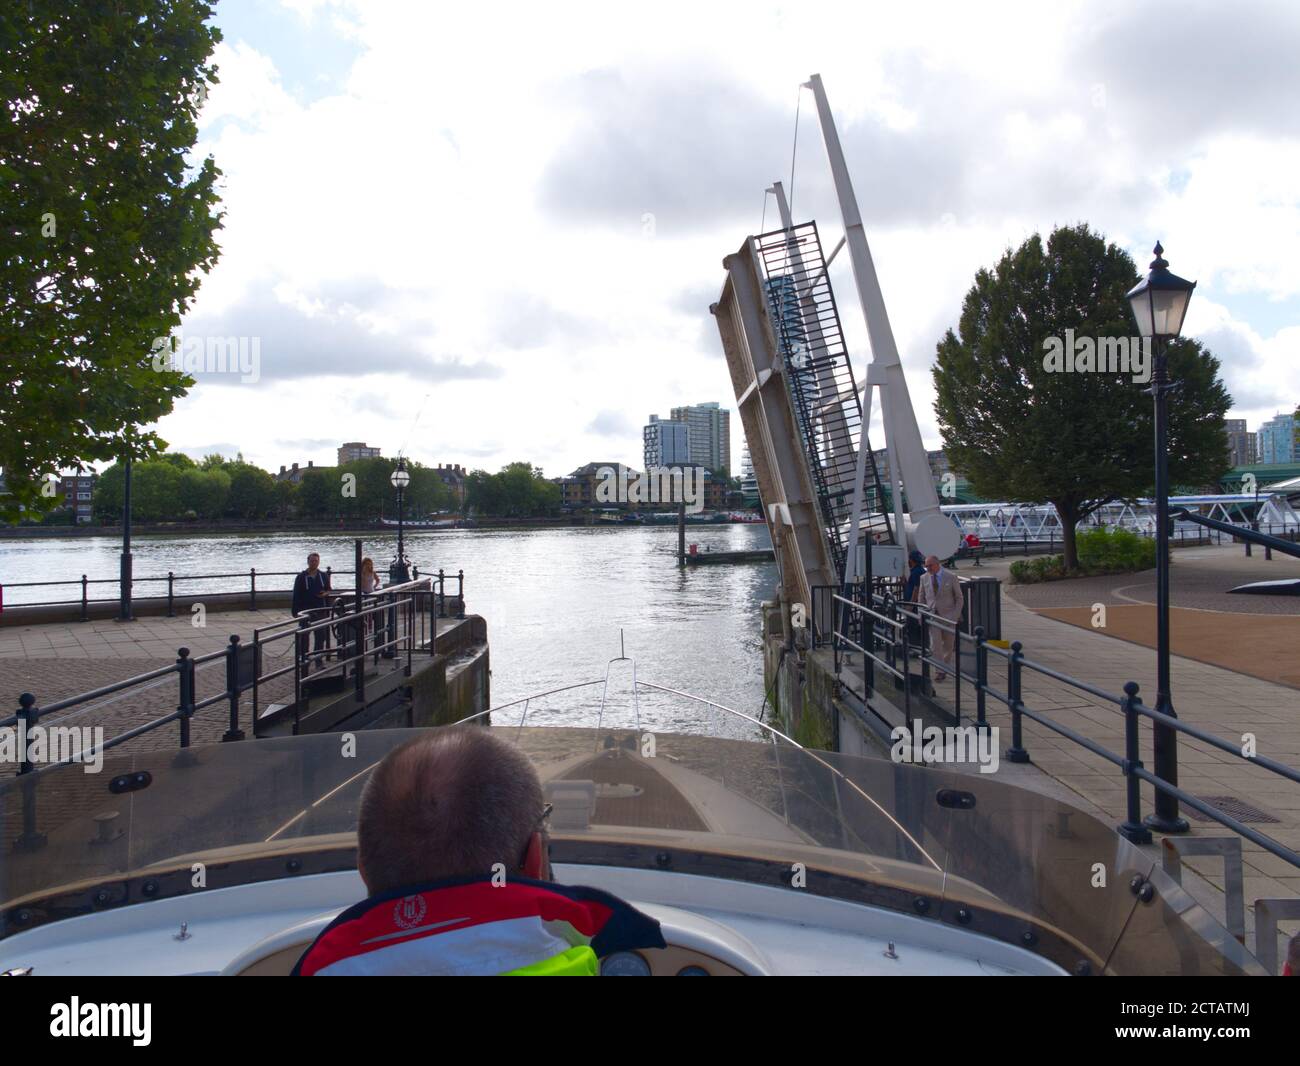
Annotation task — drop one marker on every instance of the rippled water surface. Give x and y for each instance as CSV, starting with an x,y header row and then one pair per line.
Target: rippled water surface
x,y
554,599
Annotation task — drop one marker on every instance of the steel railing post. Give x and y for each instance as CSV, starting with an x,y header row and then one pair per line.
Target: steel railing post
x,y
171,612
28,715
956,679
85,602
907,669
925,651
981,678
232,691
185,705
1015,753
299,660
252,588
1132,828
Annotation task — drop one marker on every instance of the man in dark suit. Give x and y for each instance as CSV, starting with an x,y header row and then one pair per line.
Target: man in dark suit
x,y
309,598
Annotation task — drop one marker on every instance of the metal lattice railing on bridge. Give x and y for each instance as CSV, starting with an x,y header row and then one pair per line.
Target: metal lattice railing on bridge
x,y
827,403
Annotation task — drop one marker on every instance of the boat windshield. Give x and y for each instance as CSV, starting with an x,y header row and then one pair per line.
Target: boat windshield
x,y
750,806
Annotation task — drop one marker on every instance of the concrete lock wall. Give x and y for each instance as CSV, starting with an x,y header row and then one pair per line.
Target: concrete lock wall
x,y
807,705
802,688
455,685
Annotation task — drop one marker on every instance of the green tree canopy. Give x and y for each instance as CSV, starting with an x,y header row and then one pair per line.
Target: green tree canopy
x,y
252,491
204,492
104,226
318,494
1023,433
517,490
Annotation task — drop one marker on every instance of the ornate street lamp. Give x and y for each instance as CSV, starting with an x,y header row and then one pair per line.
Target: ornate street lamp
x,y
400,479
1159,303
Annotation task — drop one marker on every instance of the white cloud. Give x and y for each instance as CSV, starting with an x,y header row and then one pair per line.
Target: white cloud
x,y
474,199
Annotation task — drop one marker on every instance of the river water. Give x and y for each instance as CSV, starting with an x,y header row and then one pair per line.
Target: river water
x,y
555,600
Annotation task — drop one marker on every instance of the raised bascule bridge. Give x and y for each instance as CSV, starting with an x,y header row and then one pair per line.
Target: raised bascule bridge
x,y
834,522
846,665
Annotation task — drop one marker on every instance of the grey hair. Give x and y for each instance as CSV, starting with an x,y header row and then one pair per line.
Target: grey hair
x,y
453,802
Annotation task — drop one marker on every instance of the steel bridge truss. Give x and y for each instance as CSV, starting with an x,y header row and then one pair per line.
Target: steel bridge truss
x,y
823,392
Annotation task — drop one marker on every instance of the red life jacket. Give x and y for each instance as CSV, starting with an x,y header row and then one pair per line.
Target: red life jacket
x,y
473,927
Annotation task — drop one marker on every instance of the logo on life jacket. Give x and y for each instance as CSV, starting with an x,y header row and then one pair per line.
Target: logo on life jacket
x,y
409,912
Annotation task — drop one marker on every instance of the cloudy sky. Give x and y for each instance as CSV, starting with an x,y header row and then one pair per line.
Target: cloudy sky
x,y
483,233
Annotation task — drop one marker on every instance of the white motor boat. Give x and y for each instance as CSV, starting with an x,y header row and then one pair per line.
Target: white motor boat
x,y
757,856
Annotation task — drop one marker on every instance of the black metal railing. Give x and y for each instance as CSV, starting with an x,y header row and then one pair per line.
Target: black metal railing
x,y
248,584
1049,541
399,620
884,632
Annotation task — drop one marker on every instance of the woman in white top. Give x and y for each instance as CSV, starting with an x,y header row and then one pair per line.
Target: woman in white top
x,y
369,579
368,584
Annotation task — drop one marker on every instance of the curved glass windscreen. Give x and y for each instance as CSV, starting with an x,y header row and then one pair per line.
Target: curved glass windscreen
x,y
954,847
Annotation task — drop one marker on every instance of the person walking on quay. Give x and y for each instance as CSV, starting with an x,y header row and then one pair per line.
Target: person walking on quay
x,y
912,594
912,589
941,594
309,597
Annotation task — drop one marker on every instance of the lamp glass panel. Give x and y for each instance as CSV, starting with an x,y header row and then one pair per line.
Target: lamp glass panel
x,y
1141,305
1168,308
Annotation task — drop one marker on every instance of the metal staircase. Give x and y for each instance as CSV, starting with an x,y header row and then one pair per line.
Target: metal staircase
x,y
828,406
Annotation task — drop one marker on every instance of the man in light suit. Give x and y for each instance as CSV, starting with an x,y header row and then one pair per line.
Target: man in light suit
x,y
941,594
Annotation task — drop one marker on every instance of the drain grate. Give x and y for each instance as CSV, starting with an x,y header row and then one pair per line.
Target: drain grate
x,y
1233,807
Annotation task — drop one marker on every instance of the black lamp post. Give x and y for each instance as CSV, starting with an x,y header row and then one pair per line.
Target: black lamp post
x,y
124,613
400,479
1159,303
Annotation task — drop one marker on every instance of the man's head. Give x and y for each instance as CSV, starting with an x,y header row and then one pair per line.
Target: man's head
x,y
932,563
915,557
452,802
313,562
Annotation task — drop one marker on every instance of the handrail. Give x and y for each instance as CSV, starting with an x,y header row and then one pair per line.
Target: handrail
x,y
401,603
894,640
248,586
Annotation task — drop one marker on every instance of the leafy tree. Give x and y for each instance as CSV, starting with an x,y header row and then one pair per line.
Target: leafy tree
x,y
252,492
109,486
104,227
518,490
215,461
286,497
1077,440
155,491
481,492
426,493
204,491
318,494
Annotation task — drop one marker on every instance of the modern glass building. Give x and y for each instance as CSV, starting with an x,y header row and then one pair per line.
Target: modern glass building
x,y
1277,440
709,435
666,443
